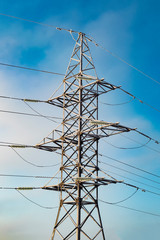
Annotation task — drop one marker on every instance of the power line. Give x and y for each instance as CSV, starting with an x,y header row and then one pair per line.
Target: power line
x,y
32,69
141,133
33,164
23,176
117,104
122,60
125,199
77,168
128,165
27,20
133,209
39,113
141,101
148,185
10,145
20,188
127,147
143,190
39,205
133,98
40,23
140,143
29,114
23,99
27,188
90,39
124,170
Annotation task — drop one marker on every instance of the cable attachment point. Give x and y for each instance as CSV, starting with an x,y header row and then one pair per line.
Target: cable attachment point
x,y
58,28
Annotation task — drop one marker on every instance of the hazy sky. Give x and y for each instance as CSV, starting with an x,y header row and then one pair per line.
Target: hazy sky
x,y
129,29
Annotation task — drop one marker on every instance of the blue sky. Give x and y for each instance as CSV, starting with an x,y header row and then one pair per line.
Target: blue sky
x,y
129,29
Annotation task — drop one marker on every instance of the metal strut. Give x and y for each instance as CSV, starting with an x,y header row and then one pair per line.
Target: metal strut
x,y
76,139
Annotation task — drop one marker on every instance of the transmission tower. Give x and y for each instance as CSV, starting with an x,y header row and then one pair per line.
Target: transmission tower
x,y
76,140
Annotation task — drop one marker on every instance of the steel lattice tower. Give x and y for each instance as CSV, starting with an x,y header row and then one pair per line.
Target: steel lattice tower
x,y
76,139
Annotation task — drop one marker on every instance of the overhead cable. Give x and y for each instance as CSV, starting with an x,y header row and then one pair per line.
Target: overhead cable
x,y
126,164
130,185
142,189
33,164
40,23
20,188
125,199
133,180
23,99
124,148
23,176
116,104
39,113
29,114
140,143
133,209
35,202
122,60
144,135
133,98
141,101
32,69
135,174
89,38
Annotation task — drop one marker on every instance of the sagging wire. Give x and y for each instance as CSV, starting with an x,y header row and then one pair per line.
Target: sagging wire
x,y
145,135
37,204
117,104
133,209
140,143
125,199
133,98
25,100
39,113
104,123
33,164
124,148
